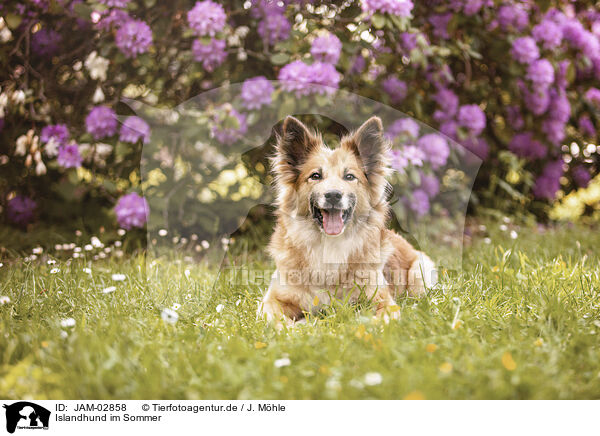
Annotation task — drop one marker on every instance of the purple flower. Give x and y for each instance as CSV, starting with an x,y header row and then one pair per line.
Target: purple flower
x,y
132,211
68,156
395,88
358,65
403,127
448,103
256,92
478,146
525,50
406,156
449,128
440,25
133,38
133,129
593,96
548,33
429,184
524,145
206,18
45,42
541,73
274,27
211,54
512,16
537,101
435,148
114,17
297,77
325,75
472,117
554,130
115,3
401,8
408,41
587,126
20,210
561,107
471,7
548,183
515,117
419,203
229,126
581,176
101,122
326,48
56,132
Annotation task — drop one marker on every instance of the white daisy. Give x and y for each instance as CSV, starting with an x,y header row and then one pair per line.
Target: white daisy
x,y
220,308
109,290
54,270
118,277
373,378
169,316
67,322
4,299
280,363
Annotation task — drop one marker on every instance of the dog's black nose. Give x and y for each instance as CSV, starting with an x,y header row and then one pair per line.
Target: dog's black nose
x,y
333,197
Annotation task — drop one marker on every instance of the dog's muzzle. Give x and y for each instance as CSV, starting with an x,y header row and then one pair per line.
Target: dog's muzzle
x,y
330,214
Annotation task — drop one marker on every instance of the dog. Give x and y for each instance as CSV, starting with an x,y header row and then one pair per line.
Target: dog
x,y
330,239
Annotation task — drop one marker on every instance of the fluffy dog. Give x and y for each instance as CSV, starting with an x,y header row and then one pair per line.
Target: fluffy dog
x,y
330,240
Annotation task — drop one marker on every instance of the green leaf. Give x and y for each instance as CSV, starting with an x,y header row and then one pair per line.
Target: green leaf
x,y
280,58
378,21
12,20
83,10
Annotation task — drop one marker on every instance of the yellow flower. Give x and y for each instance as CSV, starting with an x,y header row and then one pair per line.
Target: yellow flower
x,y
446,367
258,345
414,395
538,342
316,301
430,348
360,331
508,361
457,324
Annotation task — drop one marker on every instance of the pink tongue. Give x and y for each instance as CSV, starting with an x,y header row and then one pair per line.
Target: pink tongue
x,y
332,222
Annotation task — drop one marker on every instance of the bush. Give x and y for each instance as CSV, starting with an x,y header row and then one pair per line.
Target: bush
x,y
514,82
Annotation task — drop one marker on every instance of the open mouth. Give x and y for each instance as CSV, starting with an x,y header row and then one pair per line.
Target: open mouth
x,y
332,220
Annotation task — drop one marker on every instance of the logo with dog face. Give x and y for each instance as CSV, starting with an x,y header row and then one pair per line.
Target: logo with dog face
x,y
26,415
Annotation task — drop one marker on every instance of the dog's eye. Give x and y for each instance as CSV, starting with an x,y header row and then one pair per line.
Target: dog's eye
x,y
349,177
315,176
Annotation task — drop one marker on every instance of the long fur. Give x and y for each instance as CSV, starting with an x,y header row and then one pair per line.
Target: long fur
x,y
313,266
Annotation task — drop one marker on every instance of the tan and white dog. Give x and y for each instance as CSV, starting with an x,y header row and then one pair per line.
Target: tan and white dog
x,y
331,240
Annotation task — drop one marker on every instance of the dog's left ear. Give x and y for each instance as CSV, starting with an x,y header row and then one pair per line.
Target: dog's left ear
x,y
370,146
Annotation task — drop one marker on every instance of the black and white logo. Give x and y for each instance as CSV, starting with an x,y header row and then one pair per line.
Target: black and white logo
x,y
26,415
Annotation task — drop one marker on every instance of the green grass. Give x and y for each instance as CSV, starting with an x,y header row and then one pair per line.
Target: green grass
x,y
528,311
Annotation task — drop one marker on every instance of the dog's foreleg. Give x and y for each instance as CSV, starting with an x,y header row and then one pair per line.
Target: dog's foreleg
x,y
278,309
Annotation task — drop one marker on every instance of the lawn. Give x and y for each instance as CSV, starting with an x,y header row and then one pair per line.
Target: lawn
x,y
520,322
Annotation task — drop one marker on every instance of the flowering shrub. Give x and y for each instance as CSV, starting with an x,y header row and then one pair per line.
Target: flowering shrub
x,y
514,82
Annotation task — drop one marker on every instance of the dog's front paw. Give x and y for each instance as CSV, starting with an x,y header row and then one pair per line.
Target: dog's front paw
x,y
271,311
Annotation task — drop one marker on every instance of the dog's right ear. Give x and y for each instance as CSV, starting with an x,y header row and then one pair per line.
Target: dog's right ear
x,y
293,147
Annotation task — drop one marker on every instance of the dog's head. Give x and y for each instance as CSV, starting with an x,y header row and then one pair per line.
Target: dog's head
x,y
335,188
